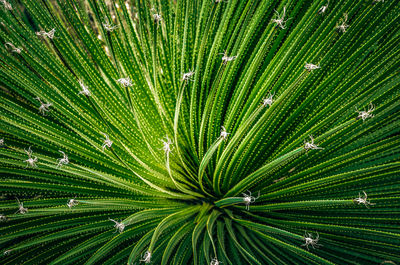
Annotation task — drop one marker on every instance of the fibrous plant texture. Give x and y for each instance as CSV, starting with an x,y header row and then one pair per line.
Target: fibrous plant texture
x,y
199,132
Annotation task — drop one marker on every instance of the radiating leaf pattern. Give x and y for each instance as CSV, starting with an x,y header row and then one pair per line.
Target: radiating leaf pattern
x,y
200,132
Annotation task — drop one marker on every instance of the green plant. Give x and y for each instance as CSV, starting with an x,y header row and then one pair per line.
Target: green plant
x,y
100,186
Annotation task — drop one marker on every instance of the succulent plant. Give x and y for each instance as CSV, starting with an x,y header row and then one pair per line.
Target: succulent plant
x,y
200,132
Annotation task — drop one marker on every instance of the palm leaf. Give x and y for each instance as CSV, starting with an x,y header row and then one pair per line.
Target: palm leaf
x,y
163,116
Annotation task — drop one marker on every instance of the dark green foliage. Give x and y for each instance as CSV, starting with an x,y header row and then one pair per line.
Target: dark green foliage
x,y
186,203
